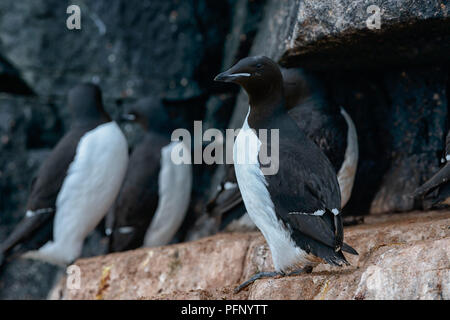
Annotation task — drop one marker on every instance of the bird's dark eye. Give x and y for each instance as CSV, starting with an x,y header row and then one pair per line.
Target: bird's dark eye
x,y
259,65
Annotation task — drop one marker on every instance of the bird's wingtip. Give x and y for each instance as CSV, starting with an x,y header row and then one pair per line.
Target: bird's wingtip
x,y
420,191
416,193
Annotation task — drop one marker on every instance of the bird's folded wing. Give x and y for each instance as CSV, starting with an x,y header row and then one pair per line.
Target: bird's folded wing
x,y
25,229
224,201
48,182
312,199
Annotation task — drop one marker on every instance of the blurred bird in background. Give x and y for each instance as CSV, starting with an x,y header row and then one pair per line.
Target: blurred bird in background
x,y
155,194
74,187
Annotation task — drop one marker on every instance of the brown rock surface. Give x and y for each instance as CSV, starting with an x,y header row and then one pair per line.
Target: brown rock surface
x,y
401,257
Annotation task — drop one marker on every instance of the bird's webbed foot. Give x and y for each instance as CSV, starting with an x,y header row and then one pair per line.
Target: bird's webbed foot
x,y
307,269
257,276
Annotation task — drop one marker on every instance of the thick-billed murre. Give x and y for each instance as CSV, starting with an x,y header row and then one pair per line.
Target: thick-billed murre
x,y
155,194
298,208
76,184
330,128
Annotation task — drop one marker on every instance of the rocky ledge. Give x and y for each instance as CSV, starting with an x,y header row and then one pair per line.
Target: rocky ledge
x,y
400,257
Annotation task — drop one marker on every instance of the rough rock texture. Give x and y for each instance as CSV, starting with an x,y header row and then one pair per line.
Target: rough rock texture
x,y
334,33
412,31
117,45
400,257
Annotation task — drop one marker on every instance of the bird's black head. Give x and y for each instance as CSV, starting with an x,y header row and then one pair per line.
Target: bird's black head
x,y
259,76
150,113
85,103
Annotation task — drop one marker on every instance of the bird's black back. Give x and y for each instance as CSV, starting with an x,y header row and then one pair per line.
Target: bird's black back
x,y
325,126
306,182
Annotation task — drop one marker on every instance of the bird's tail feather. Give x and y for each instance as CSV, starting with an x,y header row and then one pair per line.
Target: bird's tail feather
x,y
349,249
337,259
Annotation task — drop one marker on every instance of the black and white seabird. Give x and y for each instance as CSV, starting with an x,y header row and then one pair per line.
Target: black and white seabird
x,y
298,208
439,182
330,128
76,184
155,189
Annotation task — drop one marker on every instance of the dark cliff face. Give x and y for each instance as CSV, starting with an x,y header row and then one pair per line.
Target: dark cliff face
x,y
401,117
394,82
170,49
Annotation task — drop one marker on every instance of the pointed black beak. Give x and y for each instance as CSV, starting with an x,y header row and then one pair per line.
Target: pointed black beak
x,y
223,77
229,76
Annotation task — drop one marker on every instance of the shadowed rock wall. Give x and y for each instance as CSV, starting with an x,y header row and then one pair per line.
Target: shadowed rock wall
x,y
394,82
131,49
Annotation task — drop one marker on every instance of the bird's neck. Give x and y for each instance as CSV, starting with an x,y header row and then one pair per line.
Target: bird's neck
x,y
89,116
90,121
264,107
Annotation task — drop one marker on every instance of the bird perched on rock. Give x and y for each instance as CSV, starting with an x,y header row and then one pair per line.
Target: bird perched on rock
x,y
439,182
155,189
297,208
76,184
330,128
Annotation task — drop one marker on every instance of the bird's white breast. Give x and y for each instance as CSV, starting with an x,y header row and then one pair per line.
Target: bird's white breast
x,y
286,254
174,184
92,183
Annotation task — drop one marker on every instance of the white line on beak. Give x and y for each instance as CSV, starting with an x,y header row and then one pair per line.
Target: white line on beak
x,y
236,75
129,117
